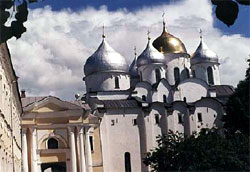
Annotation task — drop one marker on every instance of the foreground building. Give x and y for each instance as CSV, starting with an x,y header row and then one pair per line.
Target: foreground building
x,y
10,115
125,108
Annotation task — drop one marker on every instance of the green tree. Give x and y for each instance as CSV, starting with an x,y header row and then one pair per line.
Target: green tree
x,y
206,151
237,118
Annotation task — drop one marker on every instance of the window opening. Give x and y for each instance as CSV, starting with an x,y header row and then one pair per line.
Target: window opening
x,y
157,119
157,75
91,142
180,118
117,82
127,162
164,98
199,117
52,143
177,75
210,75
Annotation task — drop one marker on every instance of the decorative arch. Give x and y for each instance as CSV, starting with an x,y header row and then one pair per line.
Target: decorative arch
x,y
46,137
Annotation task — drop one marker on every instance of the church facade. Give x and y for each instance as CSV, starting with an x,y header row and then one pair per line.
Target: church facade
x,y
114,125
163,89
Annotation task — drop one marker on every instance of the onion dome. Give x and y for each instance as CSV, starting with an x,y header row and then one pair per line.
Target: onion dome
x,y
133,68
167,43
204,54
105,59
150,55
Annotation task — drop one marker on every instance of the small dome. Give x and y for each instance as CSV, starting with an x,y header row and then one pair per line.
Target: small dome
x,y
150,55
203,54
133,69
167,43
105,59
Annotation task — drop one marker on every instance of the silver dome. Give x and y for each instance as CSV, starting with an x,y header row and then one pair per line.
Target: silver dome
x,y
133,69
105,59
203,54
150,55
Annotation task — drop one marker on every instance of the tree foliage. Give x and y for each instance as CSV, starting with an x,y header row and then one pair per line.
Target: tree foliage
x,y
206,151
237,118
227,10
16,28
209,151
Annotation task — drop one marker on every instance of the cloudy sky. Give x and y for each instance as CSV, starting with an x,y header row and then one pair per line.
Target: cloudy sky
x,y
49,57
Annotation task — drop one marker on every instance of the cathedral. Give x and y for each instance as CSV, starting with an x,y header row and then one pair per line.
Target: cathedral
x,y
114,125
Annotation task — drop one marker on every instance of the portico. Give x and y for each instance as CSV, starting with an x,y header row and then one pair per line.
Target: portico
x,y
56,136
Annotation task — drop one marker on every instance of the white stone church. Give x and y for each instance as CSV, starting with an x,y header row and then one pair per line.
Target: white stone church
x,y
125,107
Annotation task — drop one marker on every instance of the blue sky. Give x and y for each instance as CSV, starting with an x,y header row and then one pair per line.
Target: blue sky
x,y
241,26
62,34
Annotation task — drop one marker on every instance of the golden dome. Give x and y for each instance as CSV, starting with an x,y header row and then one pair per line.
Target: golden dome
x,y
167,43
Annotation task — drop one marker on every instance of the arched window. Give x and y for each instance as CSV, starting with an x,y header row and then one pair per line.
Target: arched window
x,y
52,143
177,75
157,75
117,82
127,162
164,98
143,98
210,77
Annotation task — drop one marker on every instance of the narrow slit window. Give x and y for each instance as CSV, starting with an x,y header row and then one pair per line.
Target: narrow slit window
x,y
157,75
164,98
177,75
199,117
157,119
144,98
180,118
127,162
210,75
91,142
117,82
134,122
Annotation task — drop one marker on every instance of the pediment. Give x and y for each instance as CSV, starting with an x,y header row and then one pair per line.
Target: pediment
x,y
50,104
50,107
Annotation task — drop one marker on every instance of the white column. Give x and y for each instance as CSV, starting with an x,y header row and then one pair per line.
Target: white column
x,y
89,156
33,150
81,149
73,149
24,150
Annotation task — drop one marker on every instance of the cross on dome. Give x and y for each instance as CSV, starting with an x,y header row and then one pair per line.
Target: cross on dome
x,y
164,22
200,34
103,32
148,33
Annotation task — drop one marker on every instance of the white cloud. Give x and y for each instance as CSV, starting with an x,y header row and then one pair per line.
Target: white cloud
x,y
49,57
